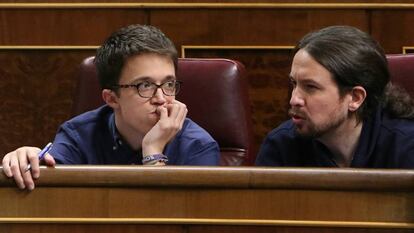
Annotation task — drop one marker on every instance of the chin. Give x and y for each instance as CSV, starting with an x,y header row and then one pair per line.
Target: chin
x,y
305,132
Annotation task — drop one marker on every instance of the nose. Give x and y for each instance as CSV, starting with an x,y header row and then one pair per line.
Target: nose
x,y
296,98
158,97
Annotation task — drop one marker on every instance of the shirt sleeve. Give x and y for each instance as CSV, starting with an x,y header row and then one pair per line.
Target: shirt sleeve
x,y
208,155
268,154
406,153
65,149
193,146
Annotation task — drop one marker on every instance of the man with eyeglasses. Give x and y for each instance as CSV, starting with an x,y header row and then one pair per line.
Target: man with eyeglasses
x,y
141,123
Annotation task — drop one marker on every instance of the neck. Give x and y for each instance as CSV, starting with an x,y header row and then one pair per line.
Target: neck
x,y
131,137
343,141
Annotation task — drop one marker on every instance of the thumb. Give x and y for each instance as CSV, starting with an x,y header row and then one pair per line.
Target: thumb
x,y
49,160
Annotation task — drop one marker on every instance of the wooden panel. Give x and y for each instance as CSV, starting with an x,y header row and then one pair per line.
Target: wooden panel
x,y
308,205
37,94
249,27
408,49
64,26
127,228
350,4
88,228
199,199
249,229
394,29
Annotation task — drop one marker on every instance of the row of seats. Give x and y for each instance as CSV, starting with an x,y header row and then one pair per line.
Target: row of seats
x,y
215,92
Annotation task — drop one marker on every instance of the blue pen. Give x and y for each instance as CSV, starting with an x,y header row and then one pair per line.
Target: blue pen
x,y
41,154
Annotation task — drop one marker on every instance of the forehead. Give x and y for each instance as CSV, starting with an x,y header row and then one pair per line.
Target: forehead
x,y
305,67
149,66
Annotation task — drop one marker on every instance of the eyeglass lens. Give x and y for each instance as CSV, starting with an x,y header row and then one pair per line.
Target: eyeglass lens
x,y
148,89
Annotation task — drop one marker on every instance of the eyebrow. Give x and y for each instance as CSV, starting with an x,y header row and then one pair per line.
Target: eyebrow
x,y
304,80
308,81
146,78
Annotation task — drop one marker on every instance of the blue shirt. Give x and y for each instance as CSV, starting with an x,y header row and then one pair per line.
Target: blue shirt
x,y
384,142
92,138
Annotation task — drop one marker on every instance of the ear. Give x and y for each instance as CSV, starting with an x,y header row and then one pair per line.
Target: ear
x,y
110,98
358,95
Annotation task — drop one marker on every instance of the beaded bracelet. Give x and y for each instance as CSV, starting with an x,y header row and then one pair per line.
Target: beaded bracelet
x,y
153,159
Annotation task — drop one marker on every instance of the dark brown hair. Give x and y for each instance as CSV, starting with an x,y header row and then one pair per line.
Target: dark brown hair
x,y
354,58
127,42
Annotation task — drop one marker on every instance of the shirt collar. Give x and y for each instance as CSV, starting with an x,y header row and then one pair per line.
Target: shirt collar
x,y
368,138
117,139
366,143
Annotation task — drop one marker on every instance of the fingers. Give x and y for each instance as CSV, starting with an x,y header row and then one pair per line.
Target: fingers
x,y
25,156
15,165
177,113
181,116
15,170
6,165
35,169
160,164
34,163
49,160
163,112
171,120
174,108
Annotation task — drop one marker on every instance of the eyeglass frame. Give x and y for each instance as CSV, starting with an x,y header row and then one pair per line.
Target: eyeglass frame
x,y
177,90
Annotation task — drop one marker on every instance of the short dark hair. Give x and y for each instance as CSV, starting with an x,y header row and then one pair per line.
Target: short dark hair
x,y
126,42
353,58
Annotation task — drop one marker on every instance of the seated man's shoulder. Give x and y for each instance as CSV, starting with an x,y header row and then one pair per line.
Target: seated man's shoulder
x,y
396,140
398,126
284,130
92,117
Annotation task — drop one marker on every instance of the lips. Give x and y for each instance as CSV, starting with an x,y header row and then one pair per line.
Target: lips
x,y
297,116
154,113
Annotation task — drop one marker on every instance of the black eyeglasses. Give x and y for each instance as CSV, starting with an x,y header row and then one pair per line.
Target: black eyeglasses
x,y
148,89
